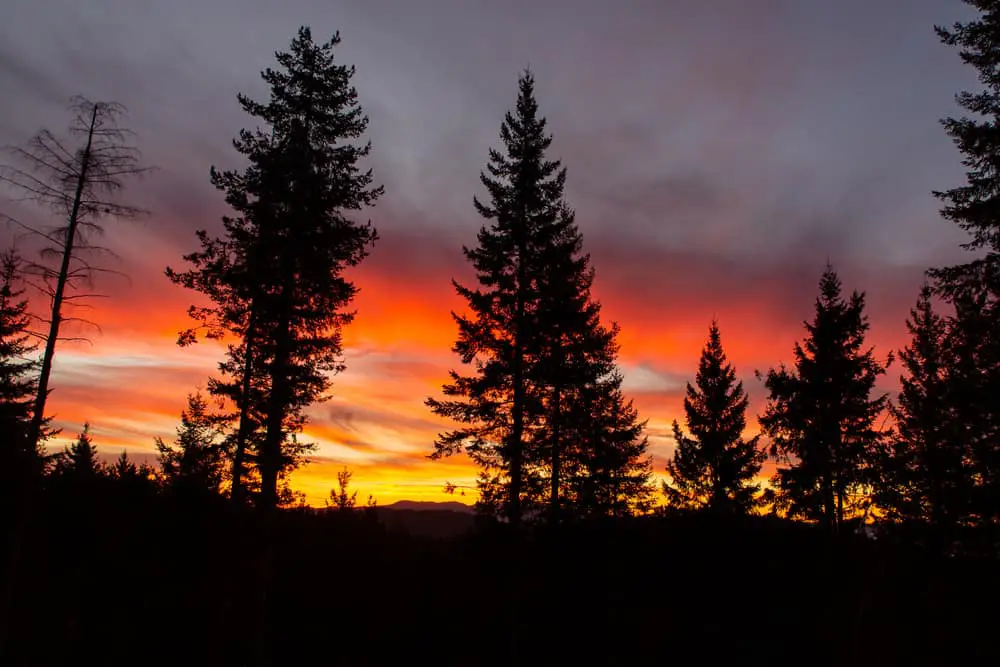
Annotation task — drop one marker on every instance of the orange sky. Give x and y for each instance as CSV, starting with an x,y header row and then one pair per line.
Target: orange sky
x,y
132,381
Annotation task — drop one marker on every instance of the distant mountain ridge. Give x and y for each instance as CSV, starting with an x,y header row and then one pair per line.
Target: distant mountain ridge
x,y
427,519
430,506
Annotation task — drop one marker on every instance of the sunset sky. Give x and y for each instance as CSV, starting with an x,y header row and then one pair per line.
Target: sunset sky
x,y
719,153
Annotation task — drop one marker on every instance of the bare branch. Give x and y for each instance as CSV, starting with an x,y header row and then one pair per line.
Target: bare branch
x,y
79,180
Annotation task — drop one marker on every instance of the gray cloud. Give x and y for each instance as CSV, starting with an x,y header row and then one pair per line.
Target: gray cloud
x,y
709,125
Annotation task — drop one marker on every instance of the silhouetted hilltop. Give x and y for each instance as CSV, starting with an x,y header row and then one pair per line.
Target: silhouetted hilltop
x,y
428,505
427,519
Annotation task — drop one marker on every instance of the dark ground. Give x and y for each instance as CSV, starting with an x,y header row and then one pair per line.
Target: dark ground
x,y
133,578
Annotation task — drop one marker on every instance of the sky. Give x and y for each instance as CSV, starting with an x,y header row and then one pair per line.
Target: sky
x,y
719,152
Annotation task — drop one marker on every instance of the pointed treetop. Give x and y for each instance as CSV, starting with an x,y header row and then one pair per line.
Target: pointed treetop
x,y
829,285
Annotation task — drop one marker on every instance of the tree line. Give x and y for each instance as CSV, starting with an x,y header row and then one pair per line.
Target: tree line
x,y
538,404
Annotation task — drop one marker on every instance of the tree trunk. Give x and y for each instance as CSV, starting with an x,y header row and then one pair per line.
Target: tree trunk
x,y
270,454
829,514
238,492
840,503
556,421
26,482
269,459
515,445
38,417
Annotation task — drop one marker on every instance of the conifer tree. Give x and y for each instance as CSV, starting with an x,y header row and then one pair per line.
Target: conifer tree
x,y
79,461
123,468
194,463
276,279
820,415
973,397
574,350
499,405
20,458
715,467
609,471
975,206
925,477
17,374
973,288
223,270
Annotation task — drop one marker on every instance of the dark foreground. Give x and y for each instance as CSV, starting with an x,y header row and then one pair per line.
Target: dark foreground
x,y
138,579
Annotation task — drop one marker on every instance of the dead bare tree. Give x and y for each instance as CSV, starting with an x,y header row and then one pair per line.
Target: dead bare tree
x,y
78,178
82,183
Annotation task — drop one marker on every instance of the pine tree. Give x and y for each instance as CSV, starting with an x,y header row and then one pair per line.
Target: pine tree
x,y
574,350
499,405
716,466
132,481
194,463
224,271
975,207
79,462
20,459
277,278
925,476
820,415
973,288
609,471
973,397
123,468
17,375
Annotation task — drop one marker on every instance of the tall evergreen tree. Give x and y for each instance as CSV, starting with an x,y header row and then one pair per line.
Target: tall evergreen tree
x,y
716,466
609,470
820,415
18,384
973,288
194,463
277,278
925,477
973,397
975,206
499,405
574,351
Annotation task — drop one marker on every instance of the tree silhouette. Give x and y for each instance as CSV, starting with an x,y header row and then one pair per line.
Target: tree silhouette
x,y
975,206
973,385
716,466
609,471
341,497
18,385
973,288
194,463
821,417
79,462
123,468
925,473
573,351
499,404
277,279
82,183
20,459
